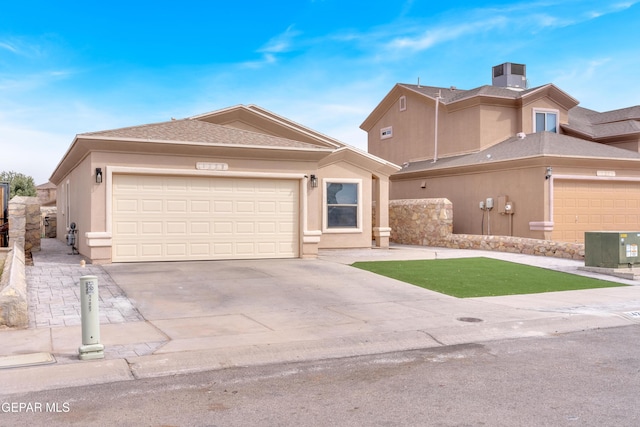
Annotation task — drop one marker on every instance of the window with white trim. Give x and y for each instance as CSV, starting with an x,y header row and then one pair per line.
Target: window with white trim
x,y
342,205
403,103
545,120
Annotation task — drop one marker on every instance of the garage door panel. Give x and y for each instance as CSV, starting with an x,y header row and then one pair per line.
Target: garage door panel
x,y
245,207
222,206
222,250
151,206
267,227
124,228
152,228
200,206
174,218
176,206
127,205
177,227
126,250
200,228
179,249
150,250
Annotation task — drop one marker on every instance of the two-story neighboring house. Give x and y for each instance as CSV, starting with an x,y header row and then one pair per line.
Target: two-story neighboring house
x,y
513,160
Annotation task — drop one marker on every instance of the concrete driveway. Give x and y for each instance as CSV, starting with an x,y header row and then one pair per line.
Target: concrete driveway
x,y
171,318
324,307
201,305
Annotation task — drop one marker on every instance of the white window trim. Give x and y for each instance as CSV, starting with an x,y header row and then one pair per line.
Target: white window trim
x,y
325,220
402,103
544,110
388,131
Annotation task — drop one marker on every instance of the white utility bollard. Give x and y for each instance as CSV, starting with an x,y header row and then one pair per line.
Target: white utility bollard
x,y
91,347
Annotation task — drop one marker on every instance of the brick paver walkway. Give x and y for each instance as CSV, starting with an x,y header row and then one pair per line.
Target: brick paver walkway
x,y
53,284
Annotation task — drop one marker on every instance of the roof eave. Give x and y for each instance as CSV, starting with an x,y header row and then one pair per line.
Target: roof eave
x,y
533,160
82,145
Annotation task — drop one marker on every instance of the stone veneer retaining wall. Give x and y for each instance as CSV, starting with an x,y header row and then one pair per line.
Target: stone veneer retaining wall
x,y
24,238
13,290
429,222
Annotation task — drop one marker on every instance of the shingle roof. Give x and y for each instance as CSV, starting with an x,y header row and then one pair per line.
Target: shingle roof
x,y
601,125
197,131
587,122
533,145
452,94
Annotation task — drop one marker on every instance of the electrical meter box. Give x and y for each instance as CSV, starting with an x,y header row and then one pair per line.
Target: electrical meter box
x,y
611,249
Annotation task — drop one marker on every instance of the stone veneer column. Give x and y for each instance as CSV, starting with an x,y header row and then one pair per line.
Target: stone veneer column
x,y
24,223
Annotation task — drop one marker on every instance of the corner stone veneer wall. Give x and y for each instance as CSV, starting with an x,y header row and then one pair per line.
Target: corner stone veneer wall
x,y
24,223
429,222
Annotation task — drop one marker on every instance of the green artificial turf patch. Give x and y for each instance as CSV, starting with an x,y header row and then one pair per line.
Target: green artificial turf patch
x,y
481,277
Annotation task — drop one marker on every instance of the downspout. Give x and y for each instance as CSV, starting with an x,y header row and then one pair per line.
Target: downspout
x,y
435,139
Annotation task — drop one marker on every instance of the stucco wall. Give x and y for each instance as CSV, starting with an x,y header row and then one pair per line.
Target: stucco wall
x,y
525,187
344,239
429,222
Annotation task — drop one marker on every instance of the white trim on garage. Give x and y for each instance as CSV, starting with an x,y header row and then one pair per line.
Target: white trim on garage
x,y
548,225
105,238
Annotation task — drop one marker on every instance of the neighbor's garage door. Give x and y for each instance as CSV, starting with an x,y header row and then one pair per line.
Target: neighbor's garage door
x,y
580,206
172,218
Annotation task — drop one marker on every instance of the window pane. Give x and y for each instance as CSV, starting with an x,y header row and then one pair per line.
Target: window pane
x,y
540,122
551,122
343,194
342,216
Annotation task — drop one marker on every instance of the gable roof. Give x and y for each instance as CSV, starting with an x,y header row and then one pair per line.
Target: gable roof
x,y
203,136
265,121
195,131
451,96
540,144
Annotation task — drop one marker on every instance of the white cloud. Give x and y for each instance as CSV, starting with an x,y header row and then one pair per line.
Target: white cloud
x,y
267,59
433,36
9,47
282,42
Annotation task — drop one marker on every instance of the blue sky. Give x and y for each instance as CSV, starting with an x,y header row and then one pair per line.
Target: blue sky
x,y
68,67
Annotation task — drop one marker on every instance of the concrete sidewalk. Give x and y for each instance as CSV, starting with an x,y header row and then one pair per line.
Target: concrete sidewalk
x,y
170,318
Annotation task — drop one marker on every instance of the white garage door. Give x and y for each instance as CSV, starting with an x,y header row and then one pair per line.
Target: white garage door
x,y
173,218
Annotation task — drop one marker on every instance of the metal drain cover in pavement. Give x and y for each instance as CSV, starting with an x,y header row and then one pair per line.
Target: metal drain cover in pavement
x,y
20,360
469,319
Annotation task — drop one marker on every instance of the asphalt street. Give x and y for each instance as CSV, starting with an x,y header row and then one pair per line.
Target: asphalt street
x,y
588,378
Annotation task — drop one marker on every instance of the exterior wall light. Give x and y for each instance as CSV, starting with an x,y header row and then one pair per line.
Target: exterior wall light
x,y
314,181
548,175
98,175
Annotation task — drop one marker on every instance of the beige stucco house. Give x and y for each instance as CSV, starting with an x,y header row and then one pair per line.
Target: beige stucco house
x,y
513,160
238,183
